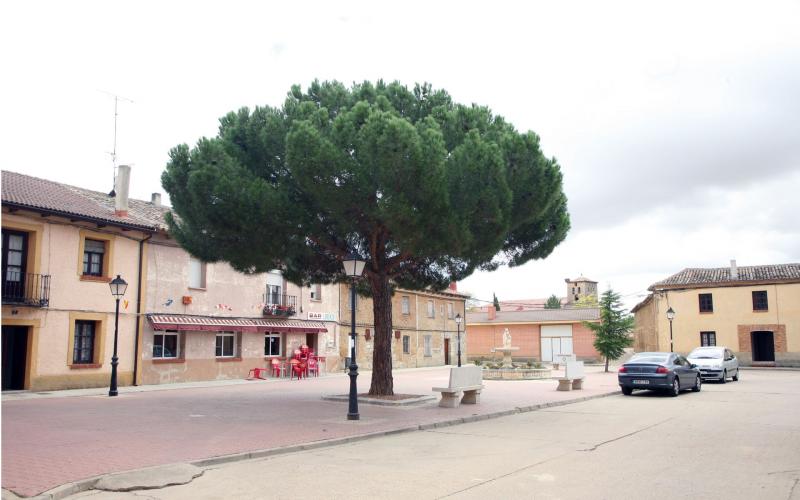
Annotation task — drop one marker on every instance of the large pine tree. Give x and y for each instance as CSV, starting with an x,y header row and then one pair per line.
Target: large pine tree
x,y
424,189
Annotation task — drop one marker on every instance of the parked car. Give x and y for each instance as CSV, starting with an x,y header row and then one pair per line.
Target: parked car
x,y
665,371
715,363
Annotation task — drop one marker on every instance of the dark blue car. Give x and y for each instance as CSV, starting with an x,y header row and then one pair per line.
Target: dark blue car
x,y
665,371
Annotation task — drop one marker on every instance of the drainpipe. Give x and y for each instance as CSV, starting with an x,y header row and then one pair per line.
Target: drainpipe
x,y
138,310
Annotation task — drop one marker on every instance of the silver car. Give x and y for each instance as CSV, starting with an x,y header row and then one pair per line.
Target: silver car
x,y
715,363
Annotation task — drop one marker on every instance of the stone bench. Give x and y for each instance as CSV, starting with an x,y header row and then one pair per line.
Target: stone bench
x,y
573,377
466,380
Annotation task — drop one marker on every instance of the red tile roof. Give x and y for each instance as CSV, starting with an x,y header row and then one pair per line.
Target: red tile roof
x,y
721,276
575,314
24,191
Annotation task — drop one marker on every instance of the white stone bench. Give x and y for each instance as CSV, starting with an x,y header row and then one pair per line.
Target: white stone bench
x,y
465,379
573,377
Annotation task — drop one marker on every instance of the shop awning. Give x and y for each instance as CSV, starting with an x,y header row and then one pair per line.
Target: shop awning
x,y
217,324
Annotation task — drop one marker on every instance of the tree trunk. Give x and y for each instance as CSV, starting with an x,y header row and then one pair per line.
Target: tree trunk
x,y
382,383
606,363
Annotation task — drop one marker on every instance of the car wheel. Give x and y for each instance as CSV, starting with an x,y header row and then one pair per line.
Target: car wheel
x,y
627,391
676,387
697,384
724,377
736,377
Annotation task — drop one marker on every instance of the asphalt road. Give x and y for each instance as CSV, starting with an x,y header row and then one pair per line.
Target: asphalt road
x,y
740,440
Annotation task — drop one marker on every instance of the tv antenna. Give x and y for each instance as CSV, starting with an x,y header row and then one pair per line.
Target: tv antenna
x,y
113,152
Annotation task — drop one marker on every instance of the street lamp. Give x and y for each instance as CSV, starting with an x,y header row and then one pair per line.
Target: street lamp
x,y
670,317
353,267
458,327
118,287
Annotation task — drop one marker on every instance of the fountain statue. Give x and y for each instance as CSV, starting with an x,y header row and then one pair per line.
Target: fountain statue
x,y
506,349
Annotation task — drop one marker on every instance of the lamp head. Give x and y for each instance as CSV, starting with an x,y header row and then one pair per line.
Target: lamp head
x,y
670,314
353,266
118,287
458,319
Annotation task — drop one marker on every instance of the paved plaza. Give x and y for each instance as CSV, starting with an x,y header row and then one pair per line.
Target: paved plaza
x,y
734,441
57,438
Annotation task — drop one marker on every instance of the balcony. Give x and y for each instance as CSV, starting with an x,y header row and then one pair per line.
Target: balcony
x,y
26,289
280,306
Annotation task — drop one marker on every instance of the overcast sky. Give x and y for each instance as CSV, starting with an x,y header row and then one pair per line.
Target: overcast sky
x,y
677,126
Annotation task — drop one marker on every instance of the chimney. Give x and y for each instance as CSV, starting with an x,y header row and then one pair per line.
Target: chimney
x,y
121,189
453,286
492,312
155,199
734,270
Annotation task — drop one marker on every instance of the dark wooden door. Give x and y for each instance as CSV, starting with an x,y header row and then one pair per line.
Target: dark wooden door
x,y
763,346
15,354
447,351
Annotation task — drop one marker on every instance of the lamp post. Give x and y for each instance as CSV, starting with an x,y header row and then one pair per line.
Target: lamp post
x,y
670,317
353,267
118,287
458,329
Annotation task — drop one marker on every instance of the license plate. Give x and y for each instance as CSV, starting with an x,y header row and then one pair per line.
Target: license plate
x,y
642,382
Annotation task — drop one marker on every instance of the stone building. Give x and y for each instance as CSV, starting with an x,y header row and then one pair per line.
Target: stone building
x,y
424,330
753,310
578,288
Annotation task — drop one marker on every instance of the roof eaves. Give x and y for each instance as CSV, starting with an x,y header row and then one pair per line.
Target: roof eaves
x,y
77,216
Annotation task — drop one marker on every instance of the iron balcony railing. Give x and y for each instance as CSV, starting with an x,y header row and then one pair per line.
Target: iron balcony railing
x,y
280,305
26,289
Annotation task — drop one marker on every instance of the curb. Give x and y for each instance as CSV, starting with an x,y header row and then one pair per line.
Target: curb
x,y
75,487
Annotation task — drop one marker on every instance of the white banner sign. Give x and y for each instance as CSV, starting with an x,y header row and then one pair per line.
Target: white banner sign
x,y
320,316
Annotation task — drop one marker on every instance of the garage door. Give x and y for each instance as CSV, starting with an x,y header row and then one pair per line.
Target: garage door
x,y
556,339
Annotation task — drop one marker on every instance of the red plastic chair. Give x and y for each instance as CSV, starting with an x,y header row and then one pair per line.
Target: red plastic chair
x,y
297,368
276,367
313,367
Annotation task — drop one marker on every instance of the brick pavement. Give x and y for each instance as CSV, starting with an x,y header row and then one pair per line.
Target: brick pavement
x,y
51,441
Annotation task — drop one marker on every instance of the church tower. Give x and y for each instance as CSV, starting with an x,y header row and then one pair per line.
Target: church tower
x,y
580,287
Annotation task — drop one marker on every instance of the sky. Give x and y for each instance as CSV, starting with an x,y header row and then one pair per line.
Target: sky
x,y
677,125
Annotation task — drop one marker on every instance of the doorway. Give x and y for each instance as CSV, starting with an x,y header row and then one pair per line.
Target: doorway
x,y
15,357
763,346
311,342
447,351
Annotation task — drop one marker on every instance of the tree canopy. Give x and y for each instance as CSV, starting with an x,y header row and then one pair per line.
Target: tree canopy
x,y
553,302
612,334
426,190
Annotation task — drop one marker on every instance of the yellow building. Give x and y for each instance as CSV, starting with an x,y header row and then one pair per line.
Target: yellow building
x,y
753,310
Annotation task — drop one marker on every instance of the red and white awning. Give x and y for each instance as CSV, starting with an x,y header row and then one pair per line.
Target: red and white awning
x,y
217,324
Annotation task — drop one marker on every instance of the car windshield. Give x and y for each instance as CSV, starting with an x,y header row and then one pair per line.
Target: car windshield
x,y
649,357
706,354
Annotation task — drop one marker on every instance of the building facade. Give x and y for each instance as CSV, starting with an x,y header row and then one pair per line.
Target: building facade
x,y
753,310
61,248
424,328
540,334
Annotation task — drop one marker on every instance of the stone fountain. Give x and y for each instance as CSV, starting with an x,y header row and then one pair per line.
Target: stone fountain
x,y
508,371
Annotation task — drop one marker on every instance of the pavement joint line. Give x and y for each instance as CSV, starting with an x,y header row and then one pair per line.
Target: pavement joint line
x,y
82,485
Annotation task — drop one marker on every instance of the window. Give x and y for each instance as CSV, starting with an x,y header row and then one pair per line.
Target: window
x,y
708,339
427,346
316,292
14,246
431,309
405,305
83,350
272,344
706,303
197,273
165,345
406,342
760,301
274,295
93,252
226,341
450,314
